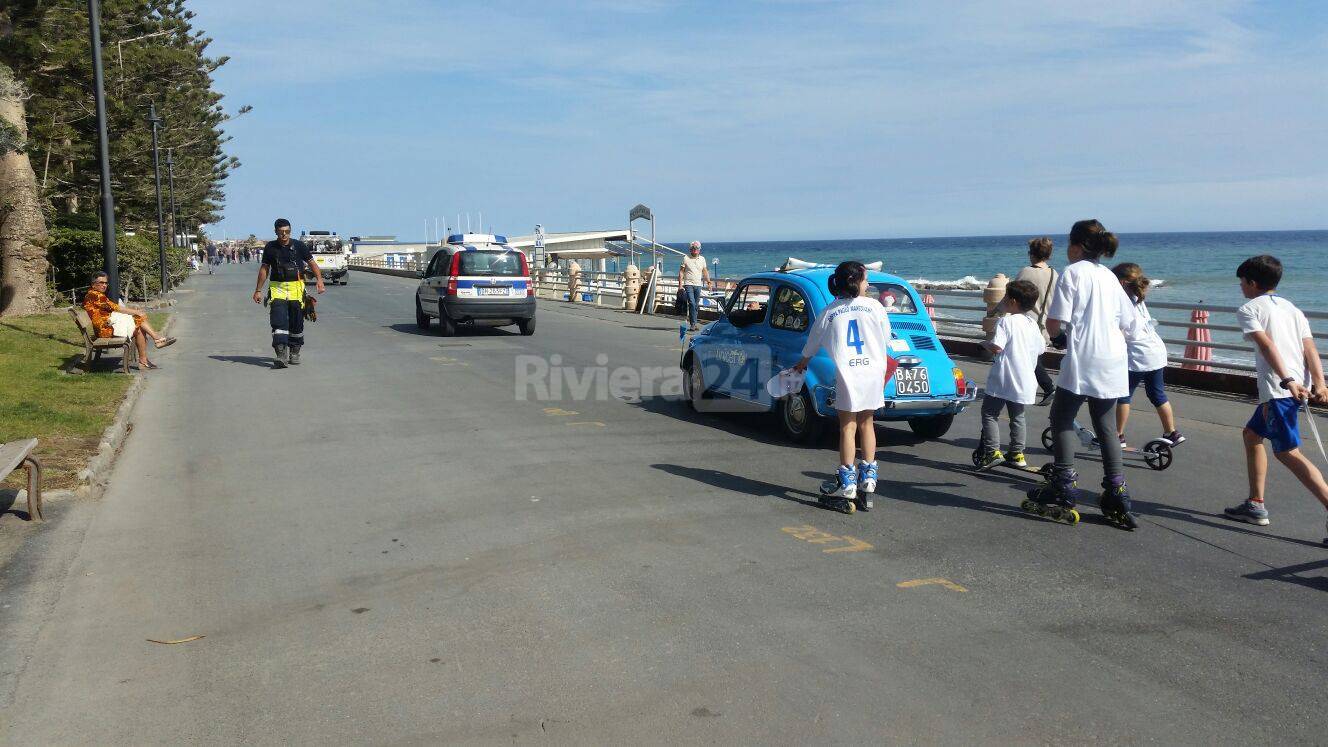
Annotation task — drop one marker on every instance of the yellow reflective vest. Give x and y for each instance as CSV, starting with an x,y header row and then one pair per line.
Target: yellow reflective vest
x,y
290,290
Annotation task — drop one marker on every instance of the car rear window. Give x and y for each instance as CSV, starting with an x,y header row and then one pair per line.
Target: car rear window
x,y
492,264
894,298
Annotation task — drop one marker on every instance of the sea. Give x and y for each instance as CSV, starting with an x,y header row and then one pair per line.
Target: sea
x,y
1185,267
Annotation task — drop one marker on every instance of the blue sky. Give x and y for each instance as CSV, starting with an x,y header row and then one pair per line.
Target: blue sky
x,y
776,119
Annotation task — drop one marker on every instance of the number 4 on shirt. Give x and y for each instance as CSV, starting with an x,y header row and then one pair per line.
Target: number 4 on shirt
x,y
854,337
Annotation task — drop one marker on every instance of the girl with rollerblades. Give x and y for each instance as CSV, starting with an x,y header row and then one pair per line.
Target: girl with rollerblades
x,y
1148,358
1090,302
855,331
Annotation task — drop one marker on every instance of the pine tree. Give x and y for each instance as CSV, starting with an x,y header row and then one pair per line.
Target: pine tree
x,y
152,54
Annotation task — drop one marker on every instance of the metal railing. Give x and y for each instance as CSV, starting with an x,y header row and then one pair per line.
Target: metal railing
x,y
1227,337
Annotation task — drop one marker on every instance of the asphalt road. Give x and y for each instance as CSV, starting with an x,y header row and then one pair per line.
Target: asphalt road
x,y
388,545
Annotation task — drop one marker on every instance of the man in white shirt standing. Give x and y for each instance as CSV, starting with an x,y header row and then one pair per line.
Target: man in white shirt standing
x,y
692,277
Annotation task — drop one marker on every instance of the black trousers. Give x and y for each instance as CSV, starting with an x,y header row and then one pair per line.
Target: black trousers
x,y
1043,378
287,319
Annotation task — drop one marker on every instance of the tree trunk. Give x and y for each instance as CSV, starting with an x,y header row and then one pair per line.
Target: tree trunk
x,y
22,226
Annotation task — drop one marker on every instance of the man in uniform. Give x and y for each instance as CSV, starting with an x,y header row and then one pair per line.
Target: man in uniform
x,y
281,263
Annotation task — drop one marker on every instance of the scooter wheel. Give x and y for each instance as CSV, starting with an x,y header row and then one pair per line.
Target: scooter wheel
x,y
1048,440
1158,454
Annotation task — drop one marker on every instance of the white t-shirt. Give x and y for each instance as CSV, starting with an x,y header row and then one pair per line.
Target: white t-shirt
x,y
692,268
1288,328
1147,351
1089,298
856,333
1011,377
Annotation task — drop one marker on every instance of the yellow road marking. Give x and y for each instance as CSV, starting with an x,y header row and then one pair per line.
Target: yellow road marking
x,y
952,586
810,534
559,412
595,423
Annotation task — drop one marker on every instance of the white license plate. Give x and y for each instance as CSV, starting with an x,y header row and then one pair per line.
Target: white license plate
x,y
492,291
912,381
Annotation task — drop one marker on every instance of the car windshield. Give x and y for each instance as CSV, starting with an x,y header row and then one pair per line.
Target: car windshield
x,y
491,264
894,298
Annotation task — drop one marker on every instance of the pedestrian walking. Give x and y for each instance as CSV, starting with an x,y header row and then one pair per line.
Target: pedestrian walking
x,y
1285,361
693,275
211,256
280,269
855,331
1043,277
1091,303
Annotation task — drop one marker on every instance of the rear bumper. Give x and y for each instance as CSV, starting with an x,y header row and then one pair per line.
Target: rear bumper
x,y
328,274
463,309
903,409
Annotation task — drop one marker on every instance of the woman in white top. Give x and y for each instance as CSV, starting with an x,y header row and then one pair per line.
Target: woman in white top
x,y
855,330
1090,302
1148,357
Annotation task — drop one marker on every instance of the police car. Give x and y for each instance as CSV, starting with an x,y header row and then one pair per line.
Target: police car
x,y
476,279
763,326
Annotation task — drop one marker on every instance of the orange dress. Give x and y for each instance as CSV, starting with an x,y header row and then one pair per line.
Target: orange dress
x,y
99,309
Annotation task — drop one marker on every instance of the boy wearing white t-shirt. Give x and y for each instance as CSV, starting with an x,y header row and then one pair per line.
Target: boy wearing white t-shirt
x,y
1284,354
1017,344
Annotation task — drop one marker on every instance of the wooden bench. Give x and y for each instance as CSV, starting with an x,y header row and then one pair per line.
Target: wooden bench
x,y
18,453
94,346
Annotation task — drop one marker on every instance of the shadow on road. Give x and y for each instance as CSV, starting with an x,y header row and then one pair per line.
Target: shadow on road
x,y
740,484
1288,575
249,360
8,498
463,330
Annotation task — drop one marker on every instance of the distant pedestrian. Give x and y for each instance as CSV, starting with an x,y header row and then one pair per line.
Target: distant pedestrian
x,y
855,331
1148,358
1285,360
211,256
1011,385
693,276
281,262
1043,277
1090,302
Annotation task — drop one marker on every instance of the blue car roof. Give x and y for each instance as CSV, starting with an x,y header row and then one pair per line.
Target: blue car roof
x,y
816,279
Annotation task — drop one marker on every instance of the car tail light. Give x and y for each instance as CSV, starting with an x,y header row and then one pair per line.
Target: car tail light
x,y
451,286
453,270
525,273
961,385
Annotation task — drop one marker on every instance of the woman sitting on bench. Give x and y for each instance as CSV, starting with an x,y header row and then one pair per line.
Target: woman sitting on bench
x,y
110,320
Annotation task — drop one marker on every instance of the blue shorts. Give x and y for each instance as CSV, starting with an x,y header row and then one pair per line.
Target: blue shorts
x,y
1152,381
1278,420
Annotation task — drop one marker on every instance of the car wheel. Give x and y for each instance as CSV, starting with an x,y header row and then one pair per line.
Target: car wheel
x,y
445,324
934,426
527,326
798,419
421,319
693,385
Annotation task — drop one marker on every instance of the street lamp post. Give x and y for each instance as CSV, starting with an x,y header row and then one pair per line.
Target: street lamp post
x,y
156,122
170,184
104,158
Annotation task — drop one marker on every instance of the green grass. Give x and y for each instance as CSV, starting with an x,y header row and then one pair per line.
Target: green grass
x,y
66,413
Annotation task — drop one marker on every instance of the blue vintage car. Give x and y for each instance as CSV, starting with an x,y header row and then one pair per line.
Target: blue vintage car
x,y
762,329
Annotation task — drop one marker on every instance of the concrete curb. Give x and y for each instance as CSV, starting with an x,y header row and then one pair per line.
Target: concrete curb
x,y
389,271
93,477
95,474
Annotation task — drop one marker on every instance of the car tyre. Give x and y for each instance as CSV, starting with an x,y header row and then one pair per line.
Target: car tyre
x,y
934,426
798,419
693,385
421,318
527,326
